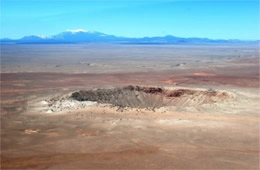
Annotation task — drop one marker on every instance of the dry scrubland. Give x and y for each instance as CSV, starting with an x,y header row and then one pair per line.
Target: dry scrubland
x,y
130,106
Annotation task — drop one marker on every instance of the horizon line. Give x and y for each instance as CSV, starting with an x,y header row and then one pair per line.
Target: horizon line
x,y
89,31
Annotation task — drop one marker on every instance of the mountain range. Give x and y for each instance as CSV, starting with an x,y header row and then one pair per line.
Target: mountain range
x,y
82,36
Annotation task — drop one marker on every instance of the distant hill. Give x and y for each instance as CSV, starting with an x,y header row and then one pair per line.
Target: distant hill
x,y
81,36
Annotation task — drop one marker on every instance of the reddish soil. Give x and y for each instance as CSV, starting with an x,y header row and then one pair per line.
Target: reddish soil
x,y
104,139
22,83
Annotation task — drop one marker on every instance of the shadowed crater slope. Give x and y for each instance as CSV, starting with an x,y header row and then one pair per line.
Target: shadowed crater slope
x,y
150,97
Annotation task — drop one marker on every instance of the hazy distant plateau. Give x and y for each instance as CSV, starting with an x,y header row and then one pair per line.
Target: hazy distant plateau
x,y
97,58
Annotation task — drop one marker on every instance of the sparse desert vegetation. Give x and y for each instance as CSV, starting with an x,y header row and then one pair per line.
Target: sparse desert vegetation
x,y
130,106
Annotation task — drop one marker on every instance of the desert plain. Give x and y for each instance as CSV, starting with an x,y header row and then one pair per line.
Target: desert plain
x,y
129,106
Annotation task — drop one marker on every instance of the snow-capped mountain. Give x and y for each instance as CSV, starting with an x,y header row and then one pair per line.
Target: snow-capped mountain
x,y
83,36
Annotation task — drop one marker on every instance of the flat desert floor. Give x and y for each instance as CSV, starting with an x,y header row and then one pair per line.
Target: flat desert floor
x,y
152,106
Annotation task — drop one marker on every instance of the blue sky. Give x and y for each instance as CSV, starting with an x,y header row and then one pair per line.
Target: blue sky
x,y
219,19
